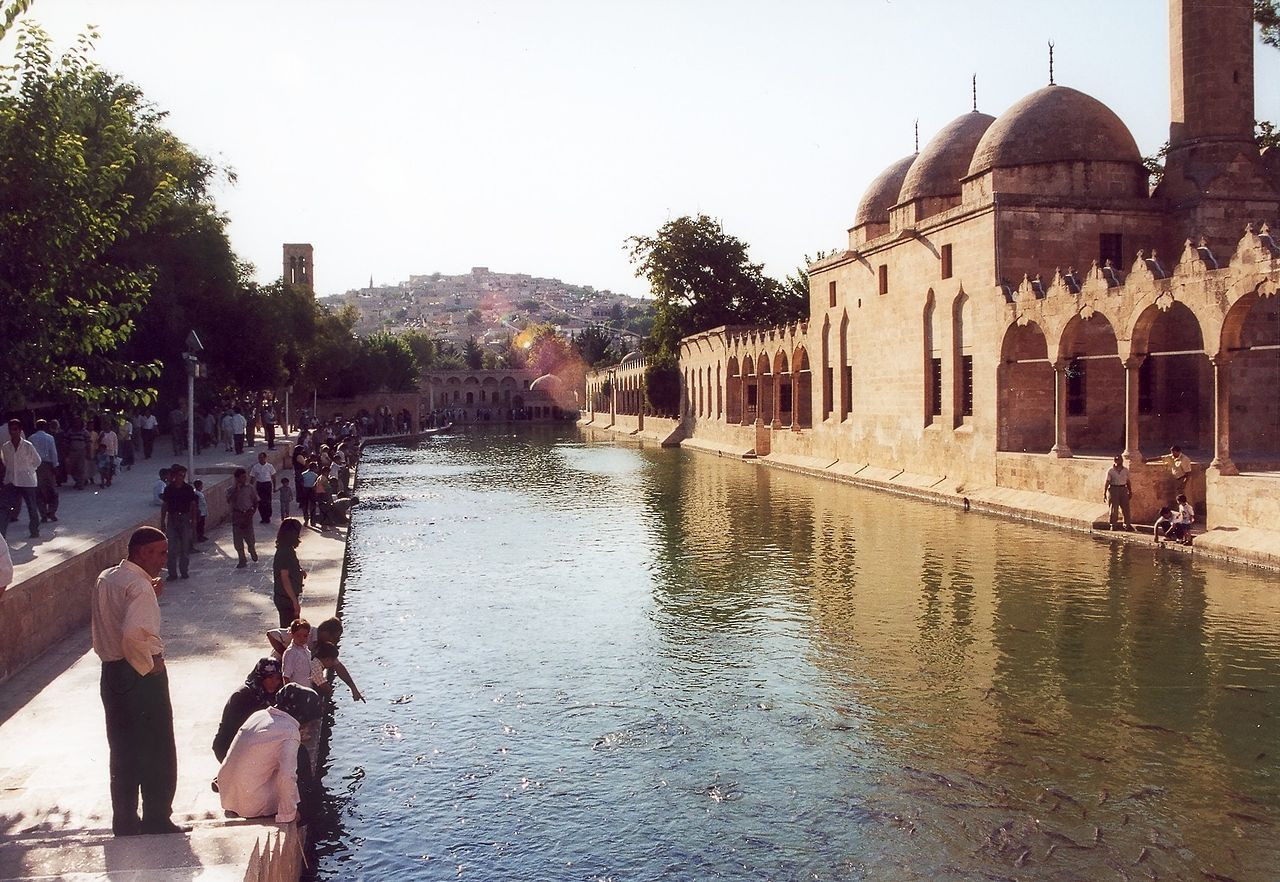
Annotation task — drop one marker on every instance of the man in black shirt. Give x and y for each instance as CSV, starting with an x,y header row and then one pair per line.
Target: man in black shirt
x,y
178,513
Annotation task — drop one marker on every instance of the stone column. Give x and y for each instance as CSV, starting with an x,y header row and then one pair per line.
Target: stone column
x,y
1132,453
1060,446
1222,463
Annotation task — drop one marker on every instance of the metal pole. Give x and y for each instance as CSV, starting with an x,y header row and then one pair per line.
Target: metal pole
x,y
191,420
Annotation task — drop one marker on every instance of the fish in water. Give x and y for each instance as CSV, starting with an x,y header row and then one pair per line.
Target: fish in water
x,y
403,699
1241,816
1216,877
1145,793
1143,855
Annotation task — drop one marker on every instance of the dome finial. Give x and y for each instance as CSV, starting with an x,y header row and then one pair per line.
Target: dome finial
x,y
975,93
1051,63
917,134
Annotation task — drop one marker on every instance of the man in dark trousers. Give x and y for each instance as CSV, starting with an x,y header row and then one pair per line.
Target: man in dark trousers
x,y
135,688
179,513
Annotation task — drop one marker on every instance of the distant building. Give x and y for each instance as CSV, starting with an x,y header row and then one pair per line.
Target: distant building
x,y
1016,306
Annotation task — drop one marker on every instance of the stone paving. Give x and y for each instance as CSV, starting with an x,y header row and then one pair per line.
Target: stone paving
x,y
55,810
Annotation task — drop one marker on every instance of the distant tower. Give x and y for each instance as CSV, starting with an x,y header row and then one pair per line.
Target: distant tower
x,y
299,267
1214,179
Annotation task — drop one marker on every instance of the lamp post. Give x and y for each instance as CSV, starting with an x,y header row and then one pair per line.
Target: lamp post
x,y
191,358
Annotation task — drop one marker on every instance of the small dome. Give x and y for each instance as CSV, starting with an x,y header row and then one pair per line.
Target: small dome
x,y
945,159
883,193
630,358
1055,124
547,384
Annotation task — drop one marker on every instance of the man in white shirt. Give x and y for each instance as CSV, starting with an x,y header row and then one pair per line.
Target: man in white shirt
x,y
21,461
1116,492
238,425
260,774
263,475
135,687
47,473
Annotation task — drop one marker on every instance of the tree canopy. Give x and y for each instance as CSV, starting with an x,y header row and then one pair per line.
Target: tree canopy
x,y
701,277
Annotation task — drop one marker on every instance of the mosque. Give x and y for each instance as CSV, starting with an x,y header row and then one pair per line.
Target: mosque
x,y
1018,304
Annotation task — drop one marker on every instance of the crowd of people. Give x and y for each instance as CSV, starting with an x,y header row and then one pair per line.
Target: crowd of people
x,y
265,768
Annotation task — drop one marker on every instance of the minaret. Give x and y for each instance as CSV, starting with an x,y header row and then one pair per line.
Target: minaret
x,y
1214,180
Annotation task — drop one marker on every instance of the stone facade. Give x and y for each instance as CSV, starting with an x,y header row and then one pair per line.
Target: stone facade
x,y
1016,306
493,396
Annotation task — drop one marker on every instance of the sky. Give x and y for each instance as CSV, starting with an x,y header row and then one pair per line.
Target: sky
x,y
423,136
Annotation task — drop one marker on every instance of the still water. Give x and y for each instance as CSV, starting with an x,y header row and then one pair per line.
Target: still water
x,y
592,661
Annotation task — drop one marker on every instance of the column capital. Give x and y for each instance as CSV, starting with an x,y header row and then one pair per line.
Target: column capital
x,y
1133,362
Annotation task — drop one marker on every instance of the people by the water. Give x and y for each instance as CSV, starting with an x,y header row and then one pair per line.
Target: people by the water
x,y
1116,492
257,693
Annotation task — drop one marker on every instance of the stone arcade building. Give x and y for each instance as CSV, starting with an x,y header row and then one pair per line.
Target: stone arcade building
x,y
1016,306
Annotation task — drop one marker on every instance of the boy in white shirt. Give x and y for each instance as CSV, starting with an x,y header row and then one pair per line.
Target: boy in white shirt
x,y
295,664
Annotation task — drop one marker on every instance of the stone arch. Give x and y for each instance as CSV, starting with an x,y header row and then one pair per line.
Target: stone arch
x,y
750,391
1094,385
784,389
1024,402
767,381
733,391
962,336
932,353
802,377
1175,380
846,369
719,393
1249,354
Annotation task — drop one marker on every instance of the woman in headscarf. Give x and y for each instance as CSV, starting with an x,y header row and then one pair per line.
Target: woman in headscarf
x,y
260,774
259,691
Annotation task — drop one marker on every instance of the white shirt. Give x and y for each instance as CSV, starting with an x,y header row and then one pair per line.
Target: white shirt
x,y
111,442
1185,514
238,424
44,444
260,774
295,666
262,472
20,464
126,617
148,422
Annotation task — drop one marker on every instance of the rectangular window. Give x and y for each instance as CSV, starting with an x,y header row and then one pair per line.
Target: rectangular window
x,y
1111,248
846,392
828,392
1075,387
935,387
884,278
966,385
946,261
831,293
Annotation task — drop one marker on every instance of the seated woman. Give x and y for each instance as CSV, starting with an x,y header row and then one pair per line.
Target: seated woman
x,y
258,692
260,774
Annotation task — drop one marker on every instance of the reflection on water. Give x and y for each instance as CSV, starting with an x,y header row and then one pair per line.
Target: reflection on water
x,y
603,662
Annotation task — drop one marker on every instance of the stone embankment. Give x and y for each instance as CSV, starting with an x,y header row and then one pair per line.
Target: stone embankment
x,y
1243,545
55,808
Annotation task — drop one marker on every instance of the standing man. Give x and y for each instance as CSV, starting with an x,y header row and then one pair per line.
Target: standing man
x,y
135,688
243,499
1180,468
1116,491
178,513
47,474
269,423
20,464
238,424
264,479
149,427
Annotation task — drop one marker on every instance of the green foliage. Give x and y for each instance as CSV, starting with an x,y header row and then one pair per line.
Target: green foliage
x,y
472,354
595,346
74,191
424,348
1266,13
1266,134
701,278
662,384
11,11
387,362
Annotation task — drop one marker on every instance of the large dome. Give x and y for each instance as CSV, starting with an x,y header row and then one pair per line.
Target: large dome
x,y
1055,124
945,159
883,193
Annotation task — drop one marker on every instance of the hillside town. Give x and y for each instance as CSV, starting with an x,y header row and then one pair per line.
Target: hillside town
x,y
489,306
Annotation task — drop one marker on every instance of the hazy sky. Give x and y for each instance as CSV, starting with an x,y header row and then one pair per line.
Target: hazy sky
x,y
419,136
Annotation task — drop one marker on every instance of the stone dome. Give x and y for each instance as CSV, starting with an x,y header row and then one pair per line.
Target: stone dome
x,y
883,193
1055,124
547,384
945,159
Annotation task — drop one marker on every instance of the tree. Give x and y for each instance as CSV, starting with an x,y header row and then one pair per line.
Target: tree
x,y
423,346
472,354
595,346
386,362
1267,15
701,278
74,191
